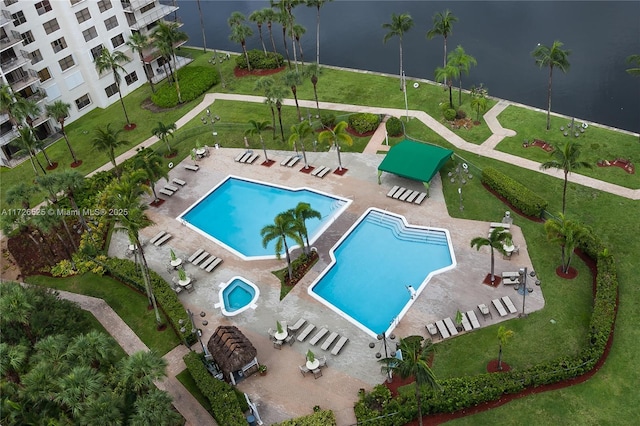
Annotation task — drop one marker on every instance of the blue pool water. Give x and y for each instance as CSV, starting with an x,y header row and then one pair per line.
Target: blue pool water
x,y
234,212
373,265
237,295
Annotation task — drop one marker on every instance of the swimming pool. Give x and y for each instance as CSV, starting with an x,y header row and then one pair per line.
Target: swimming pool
x,y
236,296
233,212
378,265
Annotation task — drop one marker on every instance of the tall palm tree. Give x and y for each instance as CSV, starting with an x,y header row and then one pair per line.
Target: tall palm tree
x,y
26,111
442,26
113,62
399,25
76,388
313,71
7,101
566,233
335,137
20,193
239,34
138,372
70,182
463,61
495,242
257,17
204,38
283,227
299,132
552,57
59,111
634,61
165,36
138,42
503,337
277,94
92,349
26,141
293,79
301,214
154,408
479,103
49,183
446,75
296,32
163,132
150,162
269,17
317,4
108,140
256,128
565,157
282,18
414,363
265,84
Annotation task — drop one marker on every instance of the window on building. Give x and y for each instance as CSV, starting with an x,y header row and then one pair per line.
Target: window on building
x,y
111,90
90,33
51,26
131,78
58,45
18,18
117,41
97,51
27,38
75,1
83,15
83,101
111,23
104,5
9,2
43,7
66,63
36,56
44,74
147,7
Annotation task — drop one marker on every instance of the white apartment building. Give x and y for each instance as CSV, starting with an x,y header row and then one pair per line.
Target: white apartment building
x,y
47,52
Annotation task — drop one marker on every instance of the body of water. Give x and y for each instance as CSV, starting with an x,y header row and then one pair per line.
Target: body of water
x,y
499,34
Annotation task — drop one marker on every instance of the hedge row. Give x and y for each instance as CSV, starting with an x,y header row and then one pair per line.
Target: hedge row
x,y
364,122
221,395
518,195
464,392
193,82
319,418
259,61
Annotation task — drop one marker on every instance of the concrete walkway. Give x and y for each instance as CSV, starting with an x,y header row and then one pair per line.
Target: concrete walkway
x,y
183,401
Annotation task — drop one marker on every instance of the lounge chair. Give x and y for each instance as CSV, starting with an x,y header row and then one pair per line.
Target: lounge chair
x,y
196,254
329,340
338,347
413,196
317,373
162,240
420,198
171,187
298,324
304,370
285,161
319,335
200,258
443,329
484,310
498,305
252,159
207,261
239,157
166,192
317,170
511,275
474,319
404,196
392,191
157,237
451,326
192,167
213,264
323,172
509,304
432,329
305,333
293,161
246,156
505,226
399,193
465,323
179,182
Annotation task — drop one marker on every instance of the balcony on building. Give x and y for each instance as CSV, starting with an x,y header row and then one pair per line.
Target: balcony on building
x,y
11,61
21,78
139,23
5,17
9,39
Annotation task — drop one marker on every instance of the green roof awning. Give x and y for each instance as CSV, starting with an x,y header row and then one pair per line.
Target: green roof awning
x,y
415,160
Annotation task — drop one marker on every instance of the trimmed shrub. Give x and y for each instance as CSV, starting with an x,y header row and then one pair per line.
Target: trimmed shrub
x,y
518,195
319,418
193,81
449,114
259,61
394,126
328,119
364,122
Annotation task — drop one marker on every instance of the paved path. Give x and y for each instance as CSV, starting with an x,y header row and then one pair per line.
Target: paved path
x,y
183,401
486,149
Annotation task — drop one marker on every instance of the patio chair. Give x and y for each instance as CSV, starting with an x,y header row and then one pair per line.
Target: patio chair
x,y
271,332
432,329
290,339
317,373
277,344
323,361
189,287
304,370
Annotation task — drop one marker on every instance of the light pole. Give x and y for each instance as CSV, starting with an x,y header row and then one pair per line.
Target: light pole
x,y
386,340
197,332
522,288
212,120
460,174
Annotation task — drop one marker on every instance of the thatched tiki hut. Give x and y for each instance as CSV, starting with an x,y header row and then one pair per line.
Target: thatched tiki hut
x,y
233,352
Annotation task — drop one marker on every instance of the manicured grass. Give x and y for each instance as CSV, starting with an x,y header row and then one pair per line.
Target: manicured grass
x,y
187,381
130,305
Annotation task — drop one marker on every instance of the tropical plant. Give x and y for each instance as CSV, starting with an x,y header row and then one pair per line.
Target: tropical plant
x,y
113,62
310,355
480,104
313,71
446,75
107,139
299,132
565,157
634,61
26,141
256,128
495,242
296,32
293,79
442,26
49,183
139,42
283,227
269,17
182,274
265,84
258,17
399,25
172,254
20,193
277,94
71,181
552,57
566,233
503,337
279,328
414,363
301,214
163,132
335,137
59,111
239,33
317,4
463,61
165,36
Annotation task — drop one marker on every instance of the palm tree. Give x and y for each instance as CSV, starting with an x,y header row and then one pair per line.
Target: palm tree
x,y
282,18
292,78
71,181
503,337
12,360
257,16
26,111
414,363
270,16
92,349
16,308
566,233
154,408
204,38
446,75
460,59
442,26
552,57
163,131
265,84
137,374
108,140
299,132
165,36
256,128
495,242
21,193
317,4
479,103
240,33
277,95
634,61
565,157
335,137
76,388
59,111
283,227
301,214
150,162
113,61
313,71
49,183
27,144
296,32
138,42
7,101
399,25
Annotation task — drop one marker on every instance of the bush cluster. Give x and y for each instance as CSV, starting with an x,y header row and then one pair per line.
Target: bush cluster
x,y
364,122
449,114
259,61
328,119
221,395
518,195
193,81
319,418
394,126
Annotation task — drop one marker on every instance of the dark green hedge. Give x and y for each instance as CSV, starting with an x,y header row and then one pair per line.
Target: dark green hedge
x,y
319,418
259,61
394,126
193,82
518,195
221,395
364,122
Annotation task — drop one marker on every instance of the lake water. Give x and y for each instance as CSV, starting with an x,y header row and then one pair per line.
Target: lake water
x,y
499,34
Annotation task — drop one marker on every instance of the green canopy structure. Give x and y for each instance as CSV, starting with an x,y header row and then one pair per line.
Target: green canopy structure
x,y
414,160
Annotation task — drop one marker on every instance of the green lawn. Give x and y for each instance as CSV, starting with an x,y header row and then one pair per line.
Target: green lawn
x,y
130,305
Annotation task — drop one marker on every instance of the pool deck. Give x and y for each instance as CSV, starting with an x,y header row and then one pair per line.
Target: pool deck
x,y
284,393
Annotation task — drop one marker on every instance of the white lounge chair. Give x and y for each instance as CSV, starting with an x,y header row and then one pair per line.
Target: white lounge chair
x,y
338,347
285,161
498,305
196,254
171,187
200,258
252,159
451,326
465,323
162,240
246,156
298,324
413,196
442,329
293,161
239,157
207,261
157,237
319,335
324,172
179,182
213,265
329,340
509,304
399,193
305,333
392,191
420,198
166,192
474,319
404,196
192,167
